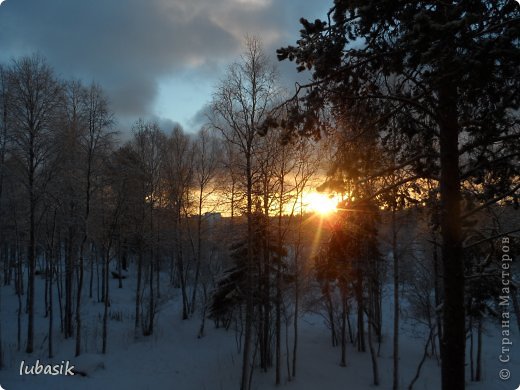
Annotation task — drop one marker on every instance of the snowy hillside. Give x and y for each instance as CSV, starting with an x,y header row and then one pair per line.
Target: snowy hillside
x,y
174,358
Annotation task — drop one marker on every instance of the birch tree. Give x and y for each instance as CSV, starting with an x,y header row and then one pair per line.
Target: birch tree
x,y
240,104
35,99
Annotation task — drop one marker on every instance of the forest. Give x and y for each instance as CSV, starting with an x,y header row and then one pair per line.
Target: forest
x,y
378,200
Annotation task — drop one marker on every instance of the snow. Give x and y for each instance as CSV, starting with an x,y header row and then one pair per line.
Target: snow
x,y
174,358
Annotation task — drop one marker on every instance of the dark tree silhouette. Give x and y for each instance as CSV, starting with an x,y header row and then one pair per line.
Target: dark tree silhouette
x,y
448,72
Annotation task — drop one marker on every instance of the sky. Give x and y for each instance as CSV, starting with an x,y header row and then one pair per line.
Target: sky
x,y
156,59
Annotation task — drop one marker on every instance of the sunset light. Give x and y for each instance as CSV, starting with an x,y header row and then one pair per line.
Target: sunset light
x,y
320,203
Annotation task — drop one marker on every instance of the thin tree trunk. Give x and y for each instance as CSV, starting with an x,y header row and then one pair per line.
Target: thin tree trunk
x,y
120,267
138,293
287,350
395,383
471,354
360,313
78,297
91,282
1,339
19,294
180,266
343,362
204,309
245,380
151,309
278,324
51,304
296,305
106,300
279,286
100,297
59,283
157,270
46,286
423,359
438,288
31,260
478,375
198,259
330,310
375,369
68,284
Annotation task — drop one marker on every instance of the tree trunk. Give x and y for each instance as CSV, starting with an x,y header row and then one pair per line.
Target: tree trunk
x,y
69,270
296,313
471,360
180,265
138,293
297,286
59,284
278,321
1,339
360,313
78,298
248,334
91,282
453,343
437,277
51,304
478,375
106,300
151,308
395,383
343,362
31,259
199,254
373,356
19,312
423,359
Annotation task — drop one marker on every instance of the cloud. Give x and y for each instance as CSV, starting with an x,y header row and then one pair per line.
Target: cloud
x,y
201,117
126,45
131,46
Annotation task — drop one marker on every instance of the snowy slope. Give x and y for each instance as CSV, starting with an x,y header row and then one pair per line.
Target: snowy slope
x,y
174,358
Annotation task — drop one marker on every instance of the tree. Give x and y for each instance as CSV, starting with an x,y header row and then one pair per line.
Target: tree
x,y
148,144
35,98
3,150
240,105
94,142
206,153
126,177
435,55
178,175
307,163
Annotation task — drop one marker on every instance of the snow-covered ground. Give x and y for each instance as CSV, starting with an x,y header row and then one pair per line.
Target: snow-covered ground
x,y
175,359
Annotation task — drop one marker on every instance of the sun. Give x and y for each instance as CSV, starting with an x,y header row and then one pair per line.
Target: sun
x,y
320,203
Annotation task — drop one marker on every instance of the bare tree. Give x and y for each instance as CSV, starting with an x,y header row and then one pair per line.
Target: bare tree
x,y
306,167
94,141
178,174
148,143
35,97
205,168
240,104
3,144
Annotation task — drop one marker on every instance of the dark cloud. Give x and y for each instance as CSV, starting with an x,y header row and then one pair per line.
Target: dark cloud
x,y
167,125
201,117
129,46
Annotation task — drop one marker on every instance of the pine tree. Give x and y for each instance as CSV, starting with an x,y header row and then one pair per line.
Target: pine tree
x,y
448,72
